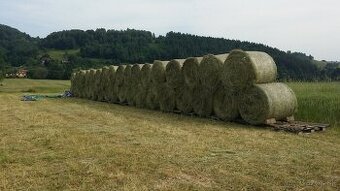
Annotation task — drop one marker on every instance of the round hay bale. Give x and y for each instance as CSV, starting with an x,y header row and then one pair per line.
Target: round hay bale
x,y
127,93
105,83
202,101
242,69
210,71
97,85
72,79
119,83
225,104
152,101
135,82
190,71
141,96
146,75
158,72
74,84
267,101
184,98
89,84
112,95
167,98
173,73
83,79
85,86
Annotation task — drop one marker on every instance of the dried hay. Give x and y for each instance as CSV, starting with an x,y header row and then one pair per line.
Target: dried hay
x,y
225,104
243,69
202,101
267,101
210,71
184,98
158,72
190,71
167,97
173,73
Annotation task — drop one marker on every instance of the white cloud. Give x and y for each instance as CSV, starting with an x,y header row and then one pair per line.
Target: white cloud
x,y
301,25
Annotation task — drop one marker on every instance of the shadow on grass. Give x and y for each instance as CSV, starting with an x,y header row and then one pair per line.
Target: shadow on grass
x,y
168,116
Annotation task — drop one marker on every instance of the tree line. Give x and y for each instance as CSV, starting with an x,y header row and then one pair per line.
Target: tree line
x,y
105,47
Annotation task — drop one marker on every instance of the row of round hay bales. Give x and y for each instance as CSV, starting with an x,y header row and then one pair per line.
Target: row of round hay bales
x,y
229,86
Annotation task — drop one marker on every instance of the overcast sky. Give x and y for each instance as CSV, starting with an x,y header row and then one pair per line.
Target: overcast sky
x,y
309,26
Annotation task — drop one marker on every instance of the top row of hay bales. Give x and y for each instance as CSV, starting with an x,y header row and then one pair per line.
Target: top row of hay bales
x,y
227,85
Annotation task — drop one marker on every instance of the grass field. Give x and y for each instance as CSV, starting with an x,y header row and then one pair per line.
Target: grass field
x,y
75,144
59,54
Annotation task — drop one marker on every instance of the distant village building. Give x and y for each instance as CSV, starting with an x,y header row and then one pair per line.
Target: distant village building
x,y
20,73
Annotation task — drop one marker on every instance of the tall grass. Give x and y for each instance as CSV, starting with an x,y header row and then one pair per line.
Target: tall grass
x,y
318,102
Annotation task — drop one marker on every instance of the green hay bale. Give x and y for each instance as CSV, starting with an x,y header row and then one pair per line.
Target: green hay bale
x,y
184,98
81,84
104,85
136,72
75,84
167,98
89,84
242,69
127,93
111,94
72,79
210,70
158,72
135,82
173,73
225,104
84,84
119,83
202,101
152,101
190,71
83,88
146,75
141,96
97,96
267,101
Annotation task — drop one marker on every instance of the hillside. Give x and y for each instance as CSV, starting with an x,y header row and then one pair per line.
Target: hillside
x,y
95,48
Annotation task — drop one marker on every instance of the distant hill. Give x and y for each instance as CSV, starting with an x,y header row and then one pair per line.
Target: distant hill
x,y
16,47
94,48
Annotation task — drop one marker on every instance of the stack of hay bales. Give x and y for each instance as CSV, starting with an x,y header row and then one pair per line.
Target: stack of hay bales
x,y
227,86
251,76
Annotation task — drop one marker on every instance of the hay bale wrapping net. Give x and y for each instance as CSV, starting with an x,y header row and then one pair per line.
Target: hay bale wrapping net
x,y
228,86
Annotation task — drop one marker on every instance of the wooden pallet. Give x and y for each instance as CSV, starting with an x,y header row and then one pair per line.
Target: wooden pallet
x,y
288,124
298,127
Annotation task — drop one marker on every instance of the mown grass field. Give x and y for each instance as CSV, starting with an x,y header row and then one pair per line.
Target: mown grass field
x,y
75,144
59,54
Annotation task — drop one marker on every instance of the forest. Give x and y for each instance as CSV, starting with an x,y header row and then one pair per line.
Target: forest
x,y
96,48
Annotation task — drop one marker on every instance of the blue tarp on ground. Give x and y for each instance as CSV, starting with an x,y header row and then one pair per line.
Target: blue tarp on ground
x,y
39,97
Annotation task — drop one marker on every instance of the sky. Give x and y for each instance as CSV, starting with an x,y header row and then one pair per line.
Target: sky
x,y
308,26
